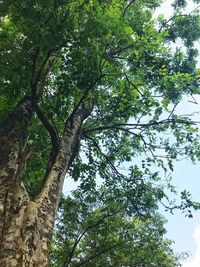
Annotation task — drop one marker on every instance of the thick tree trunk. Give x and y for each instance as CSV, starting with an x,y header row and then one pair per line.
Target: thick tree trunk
x,y
26,225
13,157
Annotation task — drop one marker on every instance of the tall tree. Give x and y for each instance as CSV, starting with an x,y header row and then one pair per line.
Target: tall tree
x,y
85,86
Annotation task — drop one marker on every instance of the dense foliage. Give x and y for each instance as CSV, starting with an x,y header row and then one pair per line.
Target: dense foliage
x,y
95,230
127,64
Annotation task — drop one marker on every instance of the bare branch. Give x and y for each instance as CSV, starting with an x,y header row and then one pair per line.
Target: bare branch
x,y
194,100
171,113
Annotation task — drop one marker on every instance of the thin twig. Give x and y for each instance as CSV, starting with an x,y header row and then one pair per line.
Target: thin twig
x,y
171,113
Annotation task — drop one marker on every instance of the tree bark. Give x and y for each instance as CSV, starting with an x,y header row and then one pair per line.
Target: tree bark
x,y
26,224
13,157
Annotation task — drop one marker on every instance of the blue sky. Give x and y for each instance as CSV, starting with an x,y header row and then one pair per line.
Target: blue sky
x,y
181,228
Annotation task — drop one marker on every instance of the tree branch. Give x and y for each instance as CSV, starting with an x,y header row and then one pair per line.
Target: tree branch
x,y
135,86
39,73
127,7
35,98
113,168
118,51
141,125
50,128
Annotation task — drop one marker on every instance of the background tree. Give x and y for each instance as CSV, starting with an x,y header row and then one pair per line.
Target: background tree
x,y
95,230
85,87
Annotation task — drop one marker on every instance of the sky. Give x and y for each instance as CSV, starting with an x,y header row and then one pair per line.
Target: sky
x,y
183,230
194,261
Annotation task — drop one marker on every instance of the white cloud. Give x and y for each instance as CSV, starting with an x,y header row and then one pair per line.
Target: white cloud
x,y
194,261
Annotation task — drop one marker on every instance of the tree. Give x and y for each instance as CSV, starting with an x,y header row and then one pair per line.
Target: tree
x,y
85,87
97,231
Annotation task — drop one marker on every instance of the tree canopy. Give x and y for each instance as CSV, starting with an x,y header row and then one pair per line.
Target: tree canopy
x,y
124,71
97,231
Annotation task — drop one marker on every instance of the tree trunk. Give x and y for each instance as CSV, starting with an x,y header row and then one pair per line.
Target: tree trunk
x,y
26,225
13,157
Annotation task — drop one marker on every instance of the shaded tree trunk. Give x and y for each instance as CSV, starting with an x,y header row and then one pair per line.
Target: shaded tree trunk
x,y
26,224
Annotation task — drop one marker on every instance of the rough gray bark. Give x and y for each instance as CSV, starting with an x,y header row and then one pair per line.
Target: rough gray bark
x,y
26,224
